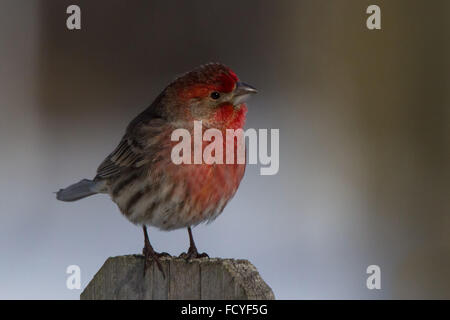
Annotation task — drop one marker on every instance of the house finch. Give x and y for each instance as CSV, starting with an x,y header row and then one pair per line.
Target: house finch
x,y
149,189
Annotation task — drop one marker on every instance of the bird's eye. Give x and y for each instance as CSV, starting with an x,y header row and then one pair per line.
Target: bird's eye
x,y
215,95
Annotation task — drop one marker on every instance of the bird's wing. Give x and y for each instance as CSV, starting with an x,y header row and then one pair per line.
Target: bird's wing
x,y
124,156
134,150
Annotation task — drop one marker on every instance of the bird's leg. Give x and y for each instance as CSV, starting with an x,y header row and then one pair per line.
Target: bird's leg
x,y
192,251
150,254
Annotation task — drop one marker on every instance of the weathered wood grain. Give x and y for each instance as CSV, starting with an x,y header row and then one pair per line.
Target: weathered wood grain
x,y
199,279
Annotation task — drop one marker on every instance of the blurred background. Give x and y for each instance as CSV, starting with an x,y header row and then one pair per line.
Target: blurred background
x,y
364,139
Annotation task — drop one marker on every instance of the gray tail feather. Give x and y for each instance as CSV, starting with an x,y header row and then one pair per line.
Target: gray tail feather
x,y
77,191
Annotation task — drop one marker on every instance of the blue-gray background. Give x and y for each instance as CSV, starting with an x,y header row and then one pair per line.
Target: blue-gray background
x,y
364,139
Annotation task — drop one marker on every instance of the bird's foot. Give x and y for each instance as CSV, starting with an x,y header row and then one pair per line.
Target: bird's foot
x,y
193,254
150,255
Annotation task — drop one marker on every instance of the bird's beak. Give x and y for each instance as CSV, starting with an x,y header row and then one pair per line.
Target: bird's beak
x,y
242,93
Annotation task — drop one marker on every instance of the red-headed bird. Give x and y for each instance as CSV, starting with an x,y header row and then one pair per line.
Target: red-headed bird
x,y
139,175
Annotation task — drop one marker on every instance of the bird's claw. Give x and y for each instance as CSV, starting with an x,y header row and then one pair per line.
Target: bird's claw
x,y
150,256
193,254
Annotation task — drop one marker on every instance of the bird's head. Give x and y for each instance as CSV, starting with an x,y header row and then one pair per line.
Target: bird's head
x,y
211,93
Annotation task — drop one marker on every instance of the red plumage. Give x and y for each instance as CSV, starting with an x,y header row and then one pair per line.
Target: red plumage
x,y
139,174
